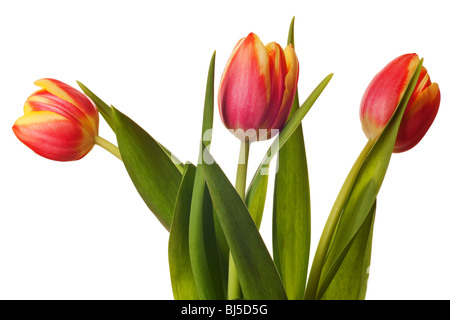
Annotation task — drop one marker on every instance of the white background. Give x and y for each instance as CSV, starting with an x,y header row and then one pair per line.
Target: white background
x,y
79,230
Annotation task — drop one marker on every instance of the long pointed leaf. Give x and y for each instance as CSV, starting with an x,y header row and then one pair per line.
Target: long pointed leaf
x,y
257,273
255,198
350,281
153,173
292,209
182,279
202,238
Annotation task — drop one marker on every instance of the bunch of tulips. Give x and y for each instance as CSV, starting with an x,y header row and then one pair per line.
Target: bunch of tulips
x,y
215,249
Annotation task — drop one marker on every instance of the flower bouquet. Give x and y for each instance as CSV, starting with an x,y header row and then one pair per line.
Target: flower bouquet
x,y
215,249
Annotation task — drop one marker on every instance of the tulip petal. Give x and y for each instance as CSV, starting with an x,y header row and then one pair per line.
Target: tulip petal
x,y
418,119
43,100
384,93
53,136
423,82
245,86
73,96
290,81
278,72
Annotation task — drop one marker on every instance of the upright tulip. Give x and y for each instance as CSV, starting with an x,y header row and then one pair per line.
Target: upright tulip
x,y
256,93
257,88
59,123
384,94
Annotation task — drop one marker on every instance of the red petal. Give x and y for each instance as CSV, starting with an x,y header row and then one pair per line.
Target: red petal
x,y
278,72
291,81
244,91
418,119
73,96
384,93
53,136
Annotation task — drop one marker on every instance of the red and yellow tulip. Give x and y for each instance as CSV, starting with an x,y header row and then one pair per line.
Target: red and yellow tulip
x,y
384,94
257,88
59,122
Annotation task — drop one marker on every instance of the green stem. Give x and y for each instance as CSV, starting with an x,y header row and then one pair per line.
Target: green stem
x,y
105,144
241,175
330,226
234,289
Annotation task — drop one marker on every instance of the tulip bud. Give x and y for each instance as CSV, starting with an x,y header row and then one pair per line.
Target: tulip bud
x,y
257,88
384,94
59,123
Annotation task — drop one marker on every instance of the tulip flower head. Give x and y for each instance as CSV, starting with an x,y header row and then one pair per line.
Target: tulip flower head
x,y
384,94
257,88
59,122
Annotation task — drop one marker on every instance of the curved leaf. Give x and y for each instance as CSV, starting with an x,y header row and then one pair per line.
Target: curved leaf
x,y
153,173
257,273
255,199
350,281
292,209
205,257
182,279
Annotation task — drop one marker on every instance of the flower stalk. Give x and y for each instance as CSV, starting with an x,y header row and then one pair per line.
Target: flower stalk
x,y
234,291
108,146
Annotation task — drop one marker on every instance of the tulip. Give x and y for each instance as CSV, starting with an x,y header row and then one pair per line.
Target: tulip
x,y
255,96
59,122
257,88
384,94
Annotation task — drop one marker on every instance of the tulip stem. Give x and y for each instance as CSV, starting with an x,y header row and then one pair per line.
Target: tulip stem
x,y
241,175
108,146
234,289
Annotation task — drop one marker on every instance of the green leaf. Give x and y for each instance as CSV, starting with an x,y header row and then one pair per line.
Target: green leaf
x,y
205,260
292,210
152,171
361,192
255,199
350,281
182,279
257,273
330,225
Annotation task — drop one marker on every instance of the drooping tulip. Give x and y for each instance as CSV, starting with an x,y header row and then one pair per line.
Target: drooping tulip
x,y
59,122
257,88
384,94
